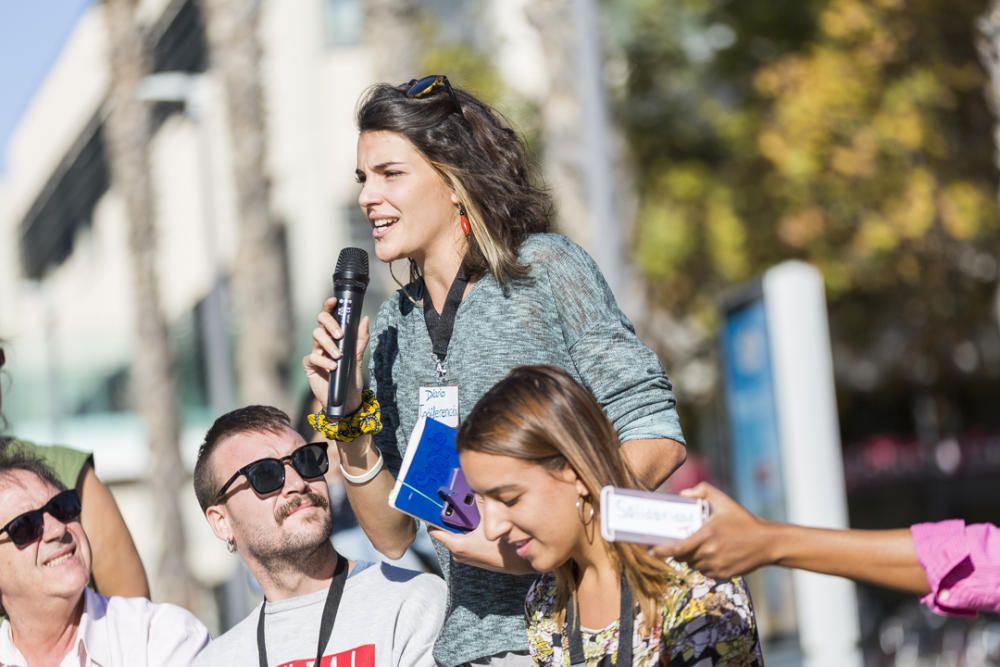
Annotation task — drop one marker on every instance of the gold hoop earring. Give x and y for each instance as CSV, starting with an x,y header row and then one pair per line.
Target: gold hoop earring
x,y
580,502
589,527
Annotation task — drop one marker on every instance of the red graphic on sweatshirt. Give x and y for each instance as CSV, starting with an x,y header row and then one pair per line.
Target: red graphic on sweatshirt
x,y
360,656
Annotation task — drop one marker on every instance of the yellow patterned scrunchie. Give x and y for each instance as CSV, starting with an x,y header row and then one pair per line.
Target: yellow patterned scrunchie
x,y
367,419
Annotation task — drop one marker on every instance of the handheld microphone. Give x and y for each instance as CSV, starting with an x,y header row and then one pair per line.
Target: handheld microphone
x,y
349,283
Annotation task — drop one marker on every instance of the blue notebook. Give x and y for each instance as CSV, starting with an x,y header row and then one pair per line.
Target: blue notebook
x,y
427,465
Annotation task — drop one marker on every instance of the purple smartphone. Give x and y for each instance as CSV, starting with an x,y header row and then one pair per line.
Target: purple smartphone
x,y
459,509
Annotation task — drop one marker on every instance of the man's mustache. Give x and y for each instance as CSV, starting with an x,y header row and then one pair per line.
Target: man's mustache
x,y
314,499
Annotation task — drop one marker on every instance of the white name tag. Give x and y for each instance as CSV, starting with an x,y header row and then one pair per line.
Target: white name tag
x,y
440,403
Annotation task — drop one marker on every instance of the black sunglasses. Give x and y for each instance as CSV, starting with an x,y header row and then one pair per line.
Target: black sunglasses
x,y
268,475
28,527
419,88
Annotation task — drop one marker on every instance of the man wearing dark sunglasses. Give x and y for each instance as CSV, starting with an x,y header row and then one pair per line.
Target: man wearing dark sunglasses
x,y
116,568
53,618
263,491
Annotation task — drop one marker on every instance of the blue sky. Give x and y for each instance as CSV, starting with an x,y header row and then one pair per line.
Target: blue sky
x,y
32,33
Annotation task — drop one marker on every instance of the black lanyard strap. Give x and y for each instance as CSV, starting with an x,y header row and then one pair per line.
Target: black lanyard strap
x,y
439,327
625,624
333,596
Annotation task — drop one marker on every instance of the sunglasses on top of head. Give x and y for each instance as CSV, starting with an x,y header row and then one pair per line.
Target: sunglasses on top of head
x,y
28,527
424,87
268,475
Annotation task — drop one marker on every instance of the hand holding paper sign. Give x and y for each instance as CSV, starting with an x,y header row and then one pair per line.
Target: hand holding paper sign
x,y
733,543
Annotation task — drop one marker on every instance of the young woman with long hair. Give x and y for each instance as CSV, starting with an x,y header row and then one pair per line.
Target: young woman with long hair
x,y
537,448
446,186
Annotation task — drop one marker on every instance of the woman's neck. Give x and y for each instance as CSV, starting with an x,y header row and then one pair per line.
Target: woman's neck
x,y
439,272
45,634
599,587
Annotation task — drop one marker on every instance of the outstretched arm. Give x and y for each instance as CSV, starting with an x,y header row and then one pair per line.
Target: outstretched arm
x,y
117,569
734,541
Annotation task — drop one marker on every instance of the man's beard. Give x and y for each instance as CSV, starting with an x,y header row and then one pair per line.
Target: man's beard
x,y
278,551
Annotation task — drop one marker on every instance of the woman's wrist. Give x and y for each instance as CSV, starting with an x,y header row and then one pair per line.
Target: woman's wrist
x,y
782,543
358,455
355,401
366,420
365,476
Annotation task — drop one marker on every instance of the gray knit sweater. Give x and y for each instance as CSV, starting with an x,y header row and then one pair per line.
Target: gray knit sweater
x,y
563,314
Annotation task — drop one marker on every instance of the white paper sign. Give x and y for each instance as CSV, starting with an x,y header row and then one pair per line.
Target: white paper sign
x,y
630,515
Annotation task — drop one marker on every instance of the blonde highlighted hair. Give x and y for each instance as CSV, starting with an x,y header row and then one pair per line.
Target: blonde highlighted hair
x,y
541,414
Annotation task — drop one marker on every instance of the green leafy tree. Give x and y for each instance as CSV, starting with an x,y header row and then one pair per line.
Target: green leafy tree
x,y
851,134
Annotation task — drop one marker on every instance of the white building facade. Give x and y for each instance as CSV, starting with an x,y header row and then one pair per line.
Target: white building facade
x,y
66,307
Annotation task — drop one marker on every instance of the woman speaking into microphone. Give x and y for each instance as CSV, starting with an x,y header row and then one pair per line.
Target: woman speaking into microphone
x,y
446,185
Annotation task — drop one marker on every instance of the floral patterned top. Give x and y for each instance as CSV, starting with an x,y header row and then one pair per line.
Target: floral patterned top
x,y
704,623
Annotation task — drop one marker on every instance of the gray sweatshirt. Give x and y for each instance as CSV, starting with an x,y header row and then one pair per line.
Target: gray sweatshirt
x,y
563,314
388,617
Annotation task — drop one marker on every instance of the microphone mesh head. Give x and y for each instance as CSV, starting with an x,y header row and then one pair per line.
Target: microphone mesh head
x,y
353,262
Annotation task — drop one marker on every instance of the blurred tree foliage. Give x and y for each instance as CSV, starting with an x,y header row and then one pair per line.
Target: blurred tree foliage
x,y
852,134
449,43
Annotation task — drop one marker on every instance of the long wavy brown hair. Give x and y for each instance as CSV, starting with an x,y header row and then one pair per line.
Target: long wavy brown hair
x,y
481,158
541,414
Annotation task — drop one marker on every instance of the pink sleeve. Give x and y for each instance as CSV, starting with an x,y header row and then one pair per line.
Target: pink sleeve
x,y
962,565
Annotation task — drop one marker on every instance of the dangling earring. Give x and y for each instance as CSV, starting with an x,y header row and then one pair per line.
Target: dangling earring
x,y
231,545
588,523
463,220
580,502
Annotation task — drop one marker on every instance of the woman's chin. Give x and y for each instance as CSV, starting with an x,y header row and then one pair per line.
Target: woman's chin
x,y
544,562
386,254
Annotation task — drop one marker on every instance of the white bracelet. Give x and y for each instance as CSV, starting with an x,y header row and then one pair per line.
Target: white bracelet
x,y
366,475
